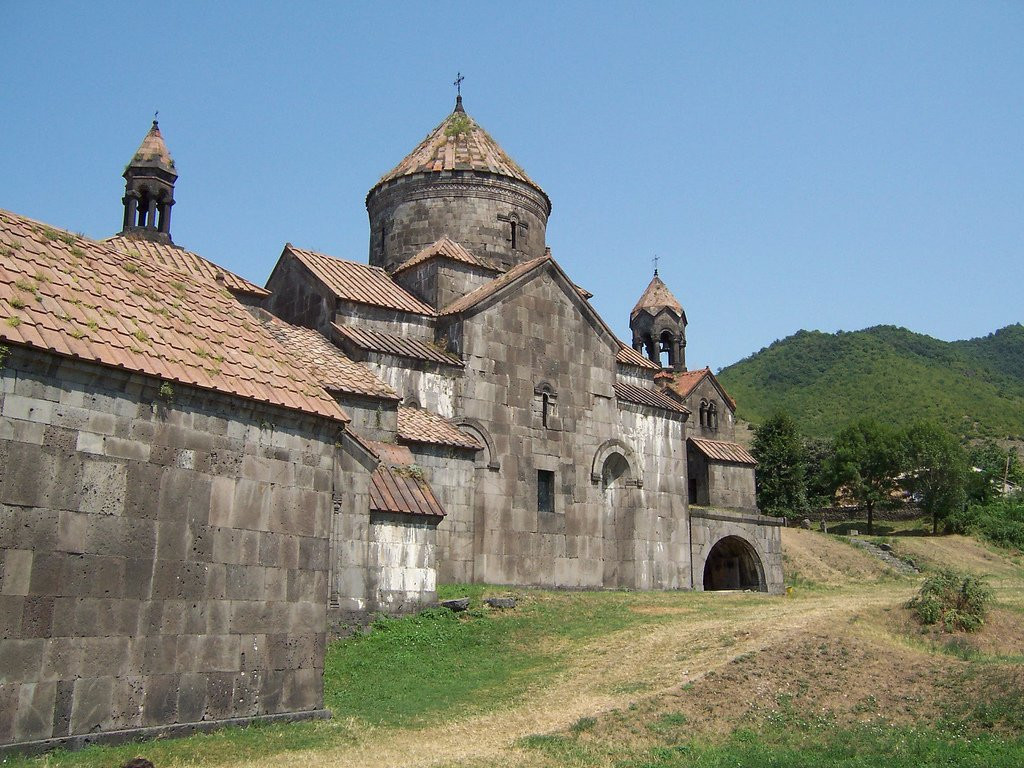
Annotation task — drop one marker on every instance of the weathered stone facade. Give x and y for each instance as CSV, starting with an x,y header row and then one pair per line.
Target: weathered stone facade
x,y
162,563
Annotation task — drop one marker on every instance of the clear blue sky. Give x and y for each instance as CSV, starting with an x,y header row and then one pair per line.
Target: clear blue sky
x,y
795,165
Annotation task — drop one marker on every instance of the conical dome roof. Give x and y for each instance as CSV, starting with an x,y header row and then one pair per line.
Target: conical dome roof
x,y
459,144
153,152
656,298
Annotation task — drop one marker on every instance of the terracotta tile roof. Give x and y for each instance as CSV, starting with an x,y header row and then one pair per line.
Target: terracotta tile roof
x,y
629,356
720,450
416,425
80,298
458,144
361,283
448,249
684,382
398,486
400,491
470,300
153,152
649,397
657,297
325,362
184,261
390,344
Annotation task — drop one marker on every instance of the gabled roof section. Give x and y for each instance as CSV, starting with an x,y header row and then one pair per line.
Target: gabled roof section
x,y
684,382
184,261
517,274
446,248
82,299
657,297
416,425
458,143
324,361
652,398
360,283
720,450
153,152
390,344
629,356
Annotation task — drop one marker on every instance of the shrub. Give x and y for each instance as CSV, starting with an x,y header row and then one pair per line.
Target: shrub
x,y
958,601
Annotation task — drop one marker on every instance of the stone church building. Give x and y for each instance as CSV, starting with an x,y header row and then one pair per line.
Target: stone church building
x,y
197,473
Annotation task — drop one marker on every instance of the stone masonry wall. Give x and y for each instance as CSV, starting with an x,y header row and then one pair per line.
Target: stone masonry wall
x,y
163,560
763,535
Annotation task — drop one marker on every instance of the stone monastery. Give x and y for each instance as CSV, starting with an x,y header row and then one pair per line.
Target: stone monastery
x,y
198,474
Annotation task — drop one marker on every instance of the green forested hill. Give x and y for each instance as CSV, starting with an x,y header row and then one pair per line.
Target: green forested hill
x,y
975,387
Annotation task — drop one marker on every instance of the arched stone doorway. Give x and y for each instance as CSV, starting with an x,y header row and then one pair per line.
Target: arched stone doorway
x,y
733,564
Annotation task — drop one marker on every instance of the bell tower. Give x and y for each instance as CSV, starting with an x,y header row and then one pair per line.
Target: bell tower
x,y
658,323
149,190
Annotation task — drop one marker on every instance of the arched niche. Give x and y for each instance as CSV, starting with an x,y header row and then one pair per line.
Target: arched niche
x,y
488,457
606,450
733,563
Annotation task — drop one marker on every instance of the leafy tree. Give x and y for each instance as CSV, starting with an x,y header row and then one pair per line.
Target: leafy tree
x,y
819,471
868,459
780,467
936,470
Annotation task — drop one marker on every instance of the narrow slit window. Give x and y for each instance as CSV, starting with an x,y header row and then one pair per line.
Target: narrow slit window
x,y
545,491
545,408
515,233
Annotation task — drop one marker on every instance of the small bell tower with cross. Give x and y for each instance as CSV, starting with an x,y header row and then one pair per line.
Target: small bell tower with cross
x,y
149,189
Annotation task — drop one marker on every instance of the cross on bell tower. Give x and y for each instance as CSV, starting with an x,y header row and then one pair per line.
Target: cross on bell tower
x,y
149,189
458,91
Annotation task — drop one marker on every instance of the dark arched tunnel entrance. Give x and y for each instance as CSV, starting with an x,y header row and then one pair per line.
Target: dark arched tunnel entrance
x,y
733,564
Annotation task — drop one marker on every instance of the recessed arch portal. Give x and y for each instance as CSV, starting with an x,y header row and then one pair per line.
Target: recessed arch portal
x,y
733,564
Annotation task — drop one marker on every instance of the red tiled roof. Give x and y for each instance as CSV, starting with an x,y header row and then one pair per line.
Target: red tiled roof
x,y
458,144
416,425
323,360
184,261
629,356
80,298
473,298
657,297
448,249
153,152
684,382
361,283
720,450
649,397
400,491
390,344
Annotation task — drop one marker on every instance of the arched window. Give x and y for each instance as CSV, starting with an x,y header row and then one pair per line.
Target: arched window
x,y
546,405
712,416
703,413
667,351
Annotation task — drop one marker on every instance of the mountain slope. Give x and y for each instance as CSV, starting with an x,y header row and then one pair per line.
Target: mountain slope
x,y
975,387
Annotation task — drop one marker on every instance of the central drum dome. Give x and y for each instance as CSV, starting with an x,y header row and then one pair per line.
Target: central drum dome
x,y
461,184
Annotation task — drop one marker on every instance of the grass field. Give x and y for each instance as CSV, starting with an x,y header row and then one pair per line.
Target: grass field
x,y
837,673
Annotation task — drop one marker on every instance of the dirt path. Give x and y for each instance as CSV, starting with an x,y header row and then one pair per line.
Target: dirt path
x,y
608,673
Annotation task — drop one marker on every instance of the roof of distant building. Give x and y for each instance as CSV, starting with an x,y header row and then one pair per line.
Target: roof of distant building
x,y
326,362
184,261
458,143
390,344
650,397
684,382
82,299
359,283
720,450
417,425
448,249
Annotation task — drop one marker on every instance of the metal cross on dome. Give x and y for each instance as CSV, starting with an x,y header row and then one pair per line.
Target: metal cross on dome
x,y
458,83
655,264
